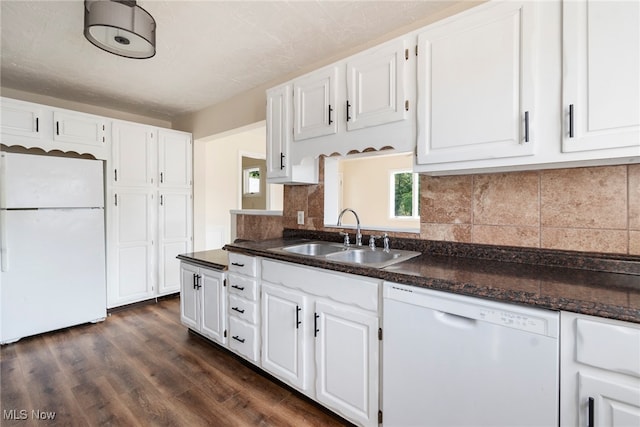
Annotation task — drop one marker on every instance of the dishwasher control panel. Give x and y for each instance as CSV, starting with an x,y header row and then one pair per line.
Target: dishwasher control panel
x,y
528,319
514,320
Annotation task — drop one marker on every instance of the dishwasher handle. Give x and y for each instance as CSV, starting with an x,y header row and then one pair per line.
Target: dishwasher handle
x,y
455,320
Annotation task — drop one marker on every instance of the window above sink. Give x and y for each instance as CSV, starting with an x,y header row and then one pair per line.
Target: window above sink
x,y
381,187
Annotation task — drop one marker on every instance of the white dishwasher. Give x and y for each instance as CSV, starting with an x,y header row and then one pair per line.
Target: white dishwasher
x,y
452,360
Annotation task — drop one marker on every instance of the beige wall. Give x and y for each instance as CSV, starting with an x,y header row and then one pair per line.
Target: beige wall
x,y
84,108
218,184
366,188
217,190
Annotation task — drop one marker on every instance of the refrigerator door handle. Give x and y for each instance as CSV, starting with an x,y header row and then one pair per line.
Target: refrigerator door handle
x,y
4,250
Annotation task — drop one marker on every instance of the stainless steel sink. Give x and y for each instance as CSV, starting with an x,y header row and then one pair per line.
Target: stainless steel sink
x,y
372,257
357,255
314,248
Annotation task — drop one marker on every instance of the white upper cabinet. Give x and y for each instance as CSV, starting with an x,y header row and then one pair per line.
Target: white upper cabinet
x,y
529,85
133,154
280,167
174,159
601,69
476,77
33,125
376,86
82,133
278,131
364,102
79,128
314,104
21,119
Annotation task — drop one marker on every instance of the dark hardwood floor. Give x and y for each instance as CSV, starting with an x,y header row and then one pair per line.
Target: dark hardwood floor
x,y
141,367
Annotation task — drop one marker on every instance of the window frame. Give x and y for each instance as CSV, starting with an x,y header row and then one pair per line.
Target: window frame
x,y
415,196
246,179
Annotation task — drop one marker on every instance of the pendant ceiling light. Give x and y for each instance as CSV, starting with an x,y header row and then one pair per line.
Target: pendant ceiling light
x,y
120,27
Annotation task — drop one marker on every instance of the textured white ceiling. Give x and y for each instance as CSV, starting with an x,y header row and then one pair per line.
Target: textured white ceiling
x,y
207,51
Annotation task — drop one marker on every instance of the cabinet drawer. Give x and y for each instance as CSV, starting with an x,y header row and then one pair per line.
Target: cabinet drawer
x,y
243,286
242,264
621,339
348,289
243,309
243,338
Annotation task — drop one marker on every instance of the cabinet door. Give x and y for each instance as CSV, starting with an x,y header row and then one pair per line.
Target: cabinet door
x,y
375,86
174,159
283,336
603,383
601,65
244,339
133,155
174,236
610,403
21,119
347,361
314,104
132,264
78,128
189,300
212,303
278,131
476,85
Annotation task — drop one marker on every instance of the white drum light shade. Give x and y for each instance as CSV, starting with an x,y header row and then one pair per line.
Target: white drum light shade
x,y
120,27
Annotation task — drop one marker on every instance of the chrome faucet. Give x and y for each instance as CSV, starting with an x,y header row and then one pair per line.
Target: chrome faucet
x,y
358,234
385,242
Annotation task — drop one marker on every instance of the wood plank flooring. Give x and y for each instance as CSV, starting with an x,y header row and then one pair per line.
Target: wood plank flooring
x,y
141,367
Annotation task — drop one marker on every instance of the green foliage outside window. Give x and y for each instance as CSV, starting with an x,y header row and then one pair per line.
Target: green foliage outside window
x,y
403,191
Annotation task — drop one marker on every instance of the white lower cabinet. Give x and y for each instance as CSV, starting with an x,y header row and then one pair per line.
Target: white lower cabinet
x,y
244,318
320,335
285,335
203,301
346,358
600,372
244,338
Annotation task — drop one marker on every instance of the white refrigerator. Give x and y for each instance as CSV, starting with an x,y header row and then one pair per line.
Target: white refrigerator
x,y
52,236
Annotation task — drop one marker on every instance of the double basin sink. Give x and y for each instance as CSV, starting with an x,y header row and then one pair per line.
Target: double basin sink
x,y
355,255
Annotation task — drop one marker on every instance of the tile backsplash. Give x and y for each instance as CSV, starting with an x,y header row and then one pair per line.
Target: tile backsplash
x,y
592,209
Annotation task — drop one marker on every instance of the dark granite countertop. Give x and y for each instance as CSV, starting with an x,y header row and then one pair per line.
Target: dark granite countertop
x,y
593,284
217,259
